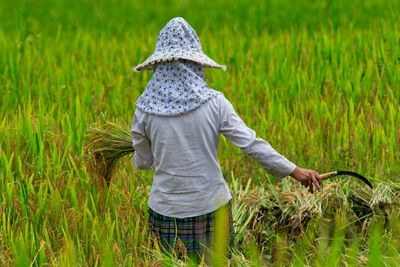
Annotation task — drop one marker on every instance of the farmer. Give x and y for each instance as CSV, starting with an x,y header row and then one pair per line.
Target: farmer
x,y
176,129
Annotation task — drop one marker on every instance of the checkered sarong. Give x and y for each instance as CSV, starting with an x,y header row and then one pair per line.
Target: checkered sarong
x,y
191,236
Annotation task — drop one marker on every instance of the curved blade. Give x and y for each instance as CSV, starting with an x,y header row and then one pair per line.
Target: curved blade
x,y
357,175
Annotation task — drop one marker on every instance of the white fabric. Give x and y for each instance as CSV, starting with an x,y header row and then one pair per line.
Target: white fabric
x,y
175,88
183,152
178,40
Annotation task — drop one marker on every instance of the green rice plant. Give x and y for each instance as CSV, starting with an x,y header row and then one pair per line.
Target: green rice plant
x,y
220,248
21,254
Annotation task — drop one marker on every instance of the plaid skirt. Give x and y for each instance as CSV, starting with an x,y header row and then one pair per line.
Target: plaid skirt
x,y
191,236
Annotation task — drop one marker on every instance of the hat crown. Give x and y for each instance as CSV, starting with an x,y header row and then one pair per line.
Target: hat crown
x,y
178,34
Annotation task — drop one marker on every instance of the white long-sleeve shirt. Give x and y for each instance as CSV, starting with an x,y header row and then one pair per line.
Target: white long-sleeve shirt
x,y
183,152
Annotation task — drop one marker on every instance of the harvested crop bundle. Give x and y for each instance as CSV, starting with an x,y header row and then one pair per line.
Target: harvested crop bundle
x,y
262,211
106,147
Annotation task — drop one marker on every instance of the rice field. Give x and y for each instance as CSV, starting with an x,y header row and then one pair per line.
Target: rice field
x,y
320,80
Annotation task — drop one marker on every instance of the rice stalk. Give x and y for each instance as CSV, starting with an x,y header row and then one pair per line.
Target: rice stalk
x,y
107,146
267,210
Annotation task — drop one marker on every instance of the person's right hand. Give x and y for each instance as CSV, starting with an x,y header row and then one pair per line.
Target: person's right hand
x,y
307,178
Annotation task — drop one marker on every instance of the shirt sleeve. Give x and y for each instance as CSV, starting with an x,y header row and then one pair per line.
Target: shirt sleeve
x,y
236,131
143,157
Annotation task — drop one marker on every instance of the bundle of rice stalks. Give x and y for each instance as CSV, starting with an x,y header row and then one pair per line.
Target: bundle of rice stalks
x,y
262,211
107,146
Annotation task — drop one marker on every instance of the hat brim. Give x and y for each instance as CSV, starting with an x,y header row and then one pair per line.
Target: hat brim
x,y
174,54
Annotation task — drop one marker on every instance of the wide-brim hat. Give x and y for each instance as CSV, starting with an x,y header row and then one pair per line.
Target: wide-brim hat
x,y
178,40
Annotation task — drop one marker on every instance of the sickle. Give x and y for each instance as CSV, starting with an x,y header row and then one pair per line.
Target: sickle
x,y
354,174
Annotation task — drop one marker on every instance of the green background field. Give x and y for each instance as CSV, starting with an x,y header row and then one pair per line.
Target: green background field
x,y
320,80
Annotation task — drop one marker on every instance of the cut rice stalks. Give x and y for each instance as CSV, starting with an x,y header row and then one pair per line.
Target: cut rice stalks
x,y
261,211
107,146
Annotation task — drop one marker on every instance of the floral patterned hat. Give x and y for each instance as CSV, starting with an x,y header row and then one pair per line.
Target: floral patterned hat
x,y
178,40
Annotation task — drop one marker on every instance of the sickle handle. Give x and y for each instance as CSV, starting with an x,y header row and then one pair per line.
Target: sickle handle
x,y
328,175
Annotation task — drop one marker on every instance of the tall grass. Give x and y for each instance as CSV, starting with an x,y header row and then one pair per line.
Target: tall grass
x,y
319,80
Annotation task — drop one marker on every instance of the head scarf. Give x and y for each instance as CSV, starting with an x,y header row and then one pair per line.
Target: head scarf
x,y
176,87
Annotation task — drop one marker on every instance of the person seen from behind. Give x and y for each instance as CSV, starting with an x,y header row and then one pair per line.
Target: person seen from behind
x,y
175,131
